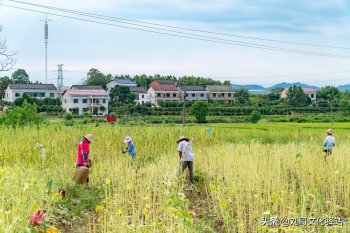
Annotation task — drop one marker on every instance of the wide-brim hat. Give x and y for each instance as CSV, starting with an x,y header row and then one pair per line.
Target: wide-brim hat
x,y
182,138
127,139
330,131
89,137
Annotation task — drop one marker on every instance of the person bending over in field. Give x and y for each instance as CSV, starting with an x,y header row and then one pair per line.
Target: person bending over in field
x,y
131,149
83,153
328,143
184,147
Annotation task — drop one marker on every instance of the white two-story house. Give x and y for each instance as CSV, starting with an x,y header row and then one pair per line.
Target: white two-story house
x,y
120,82
220,93
308,91
193,93
164,92
85,99
39,91
141,94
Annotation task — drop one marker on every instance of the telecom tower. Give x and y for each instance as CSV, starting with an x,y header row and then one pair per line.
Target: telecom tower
x,y
60,77
46,36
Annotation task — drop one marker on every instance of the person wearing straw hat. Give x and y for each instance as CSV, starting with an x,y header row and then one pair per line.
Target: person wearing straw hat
x,y
131,149
184,147
329,143
84,150
81,175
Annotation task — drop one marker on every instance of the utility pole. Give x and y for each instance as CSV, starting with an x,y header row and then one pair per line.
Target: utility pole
x,y
183,109
60,77
46,37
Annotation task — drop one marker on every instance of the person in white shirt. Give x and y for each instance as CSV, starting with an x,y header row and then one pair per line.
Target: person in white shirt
x,y
184,147
329,142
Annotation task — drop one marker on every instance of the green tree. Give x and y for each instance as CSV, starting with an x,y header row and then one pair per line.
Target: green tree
x,y
121,94
4,82
330,95
297,97
7,59
254,117
200,110
20,76
242,96
23,115
95,77
344,106
227,82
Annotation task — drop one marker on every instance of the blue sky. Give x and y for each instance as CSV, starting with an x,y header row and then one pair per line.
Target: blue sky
x,y
82,45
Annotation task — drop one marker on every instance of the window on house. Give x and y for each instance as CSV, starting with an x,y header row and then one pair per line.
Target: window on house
x,y
214,94
84,101
104,101
16,94
186,95
65,101
174,94
167,95
75,101
312,96
222,95
143,96
229,94
42,94
193,95
52,95
85,110
158,94
202,95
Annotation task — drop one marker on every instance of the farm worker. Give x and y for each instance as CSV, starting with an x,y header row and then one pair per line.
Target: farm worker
x,y
84,150
329,142
184,147
131,147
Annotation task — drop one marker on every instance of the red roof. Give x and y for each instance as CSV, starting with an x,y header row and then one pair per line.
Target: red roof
x,y
165,88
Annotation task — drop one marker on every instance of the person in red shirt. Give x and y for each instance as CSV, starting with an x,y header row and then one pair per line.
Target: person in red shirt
x,y
84,150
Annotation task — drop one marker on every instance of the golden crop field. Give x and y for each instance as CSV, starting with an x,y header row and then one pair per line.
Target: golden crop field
x,y
246,174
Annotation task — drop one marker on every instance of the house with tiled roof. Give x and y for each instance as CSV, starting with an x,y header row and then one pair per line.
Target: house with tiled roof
x,y
193,92
38,91
120,82
85,99
158,82
220,93
308,91
141,94
162,92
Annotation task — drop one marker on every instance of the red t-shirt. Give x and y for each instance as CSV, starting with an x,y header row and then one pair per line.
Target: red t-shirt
x,y
83,146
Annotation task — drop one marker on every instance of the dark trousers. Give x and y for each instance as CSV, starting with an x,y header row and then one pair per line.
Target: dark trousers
x,y
189,164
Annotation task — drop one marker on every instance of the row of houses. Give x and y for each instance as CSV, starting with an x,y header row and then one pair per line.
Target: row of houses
x,y
82,99
168,90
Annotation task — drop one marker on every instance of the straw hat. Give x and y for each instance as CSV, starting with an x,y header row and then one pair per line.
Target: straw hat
x,y
182,138
89,137
330,131
127,139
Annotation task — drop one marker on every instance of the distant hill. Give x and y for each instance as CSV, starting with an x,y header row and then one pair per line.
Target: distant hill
x,y
249,87
287,85
345,87
284,85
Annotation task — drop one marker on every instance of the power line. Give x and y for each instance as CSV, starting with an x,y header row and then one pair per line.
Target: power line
x,y
196,37
172,31
283,75
124,20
